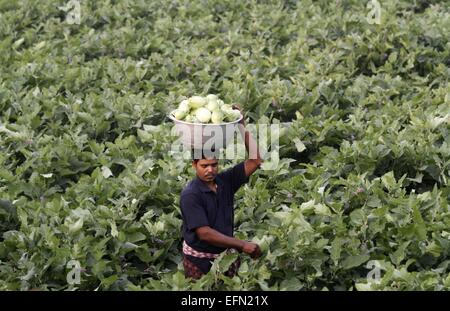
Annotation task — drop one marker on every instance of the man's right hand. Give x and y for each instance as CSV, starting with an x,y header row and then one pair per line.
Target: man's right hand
x,y
252,249
214,237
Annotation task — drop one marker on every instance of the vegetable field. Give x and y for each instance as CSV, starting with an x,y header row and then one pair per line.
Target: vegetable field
x,y
359,199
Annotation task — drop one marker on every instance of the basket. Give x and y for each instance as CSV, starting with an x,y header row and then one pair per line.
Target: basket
x,y
203,136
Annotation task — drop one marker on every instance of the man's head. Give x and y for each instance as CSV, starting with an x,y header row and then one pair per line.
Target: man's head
x,y
206,169
206,166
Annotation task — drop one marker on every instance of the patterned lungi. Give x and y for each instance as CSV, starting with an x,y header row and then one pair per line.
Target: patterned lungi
x,y
194,272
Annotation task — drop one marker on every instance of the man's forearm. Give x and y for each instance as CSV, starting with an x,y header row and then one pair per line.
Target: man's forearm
x,y
218,239
254,160
250,144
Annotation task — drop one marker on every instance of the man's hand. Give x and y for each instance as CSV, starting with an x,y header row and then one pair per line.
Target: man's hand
x,y
252,249
234,106
216,238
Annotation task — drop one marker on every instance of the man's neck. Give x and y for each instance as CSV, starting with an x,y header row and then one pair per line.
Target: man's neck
x,y
211,185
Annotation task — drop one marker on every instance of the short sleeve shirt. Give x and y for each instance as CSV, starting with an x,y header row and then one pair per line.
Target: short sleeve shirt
x,y
200,206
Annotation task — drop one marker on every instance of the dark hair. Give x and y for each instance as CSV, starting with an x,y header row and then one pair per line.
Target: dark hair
x,y
202,154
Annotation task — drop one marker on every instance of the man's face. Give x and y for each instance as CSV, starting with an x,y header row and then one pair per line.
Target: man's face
x,y
206,169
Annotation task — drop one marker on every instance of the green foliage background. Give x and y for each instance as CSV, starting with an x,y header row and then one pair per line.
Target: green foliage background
x,y
85,172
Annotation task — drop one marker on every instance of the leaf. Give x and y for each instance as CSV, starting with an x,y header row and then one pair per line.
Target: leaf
x,y
8,207
114,232
129,246
308,207
336,247
107,282
388,180
299,145
145,136
417,179
374,202
434,249
399,254
263,242
359,106
151,128
135,237
18,43
106,172
447,281
419,224
354,261
179,281
40,45
75,227
322,209
264,273
435,122
291,284
31,272
364,287
244,269
226,261
358,217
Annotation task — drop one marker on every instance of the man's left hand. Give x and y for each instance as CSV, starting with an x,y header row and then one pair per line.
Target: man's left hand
x,y
234,106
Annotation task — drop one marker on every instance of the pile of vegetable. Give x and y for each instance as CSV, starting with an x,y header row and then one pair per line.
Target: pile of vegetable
x,y
209,109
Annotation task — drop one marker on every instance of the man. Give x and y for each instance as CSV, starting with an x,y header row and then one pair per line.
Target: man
x,y
207,209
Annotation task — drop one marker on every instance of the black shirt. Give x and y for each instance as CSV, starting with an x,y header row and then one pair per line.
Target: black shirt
x,y
200,206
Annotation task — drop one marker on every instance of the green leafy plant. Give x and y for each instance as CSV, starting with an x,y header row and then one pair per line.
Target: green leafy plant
x,y
363,178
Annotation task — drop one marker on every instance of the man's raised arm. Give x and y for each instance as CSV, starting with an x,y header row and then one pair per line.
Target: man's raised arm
x,y
254,160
